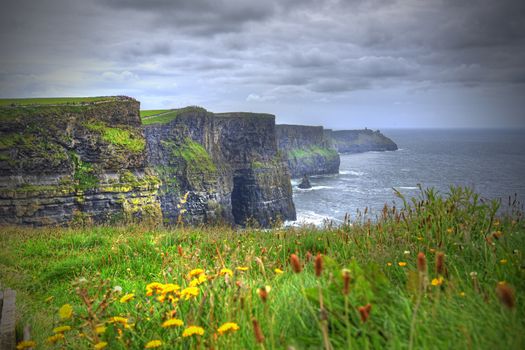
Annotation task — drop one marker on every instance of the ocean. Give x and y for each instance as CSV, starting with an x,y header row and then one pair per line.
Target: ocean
x,y
492,162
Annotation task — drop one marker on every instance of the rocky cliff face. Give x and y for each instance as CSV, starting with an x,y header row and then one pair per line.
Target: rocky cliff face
x,y
353,141
227,164
308,150
67,163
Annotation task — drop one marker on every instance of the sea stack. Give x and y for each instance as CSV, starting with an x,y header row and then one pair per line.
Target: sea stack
x,y
305,183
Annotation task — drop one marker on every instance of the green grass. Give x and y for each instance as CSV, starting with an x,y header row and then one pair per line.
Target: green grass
x,y
52,100
166,116
407,311
152,112
313,151
118,136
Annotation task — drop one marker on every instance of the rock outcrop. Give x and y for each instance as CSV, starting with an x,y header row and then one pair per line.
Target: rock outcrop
x,y
80,162
305,183
354,141
307,149
96,162
228,163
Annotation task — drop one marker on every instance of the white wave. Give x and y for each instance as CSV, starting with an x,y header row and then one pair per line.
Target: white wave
x,y
309,217
407,187
314,188
351,172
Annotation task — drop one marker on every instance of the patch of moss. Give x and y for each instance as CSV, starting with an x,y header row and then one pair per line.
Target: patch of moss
x,y
118,136
196,157
85,177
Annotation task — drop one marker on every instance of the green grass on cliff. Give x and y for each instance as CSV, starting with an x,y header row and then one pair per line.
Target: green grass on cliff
x,y
472,299
165,116
118,136
313,151
52,100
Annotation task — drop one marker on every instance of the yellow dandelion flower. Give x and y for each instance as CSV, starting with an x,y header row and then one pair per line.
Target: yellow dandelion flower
x,y
226,271
198,281
503,261
437,281
242,268
173,322
195,272
388,264
65,312
55,338
25,344
118,319
170,288
153,344
278,271
190,292
228,327
193,330
101,345
100,330
126,298
61,329
402,263
154,288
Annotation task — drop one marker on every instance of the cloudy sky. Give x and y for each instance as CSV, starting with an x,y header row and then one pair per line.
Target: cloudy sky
x,y
339,63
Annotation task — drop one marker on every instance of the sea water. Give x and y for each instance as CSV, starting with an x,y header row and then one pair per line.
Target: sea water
x,y
492,162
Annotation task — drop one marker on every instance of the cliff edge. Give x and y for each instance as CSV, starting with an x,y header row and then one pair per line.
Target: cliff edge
x,y
365,140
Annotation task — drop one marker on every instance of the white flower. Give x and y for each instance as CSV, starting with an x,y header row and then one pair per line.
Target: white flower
x,y
406,252
117,289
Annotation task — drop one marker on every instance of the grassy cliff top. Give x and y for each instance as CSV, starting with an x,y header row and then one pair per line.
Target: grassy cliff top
x,y
164,116
58,100
244,115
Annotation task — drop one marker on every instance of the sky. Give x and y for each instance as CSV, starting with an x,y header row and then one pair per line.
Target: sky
x,y
337,63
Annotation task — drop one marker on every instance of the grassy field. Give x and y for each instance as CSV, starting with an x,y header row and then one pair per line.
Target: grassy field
x,y
152,112
440,273
51,100
165,116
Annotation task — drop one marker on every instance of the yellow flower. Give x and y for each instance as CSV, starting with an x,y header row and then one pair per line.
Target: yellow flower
x,y
192,330
54,338
153,344
228,327
173,322
154,288
65,312
450,230
127,297
226,271
388,264
190,292
195,272
198,281
170,288
437,281
100,329
101,345
402,263
462,294
278,271
242,268
25,344
61,329
503,261
118,319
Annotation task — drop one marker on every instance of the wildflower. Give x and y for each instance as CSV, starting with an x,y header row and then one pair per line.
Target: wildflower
x,y
462,294
154,288
198,281
190,292
406,252
173,322
263,292
346,281
440,263
450,230
193,330
296,264
402,263
126,298
117,289
225,271
503,261
242,268
118,319
473,274
100,329
101,345
278,271
318,265
506,295
61,329
364,312
497,234
55,338
259,337
419,238
65,312
421,263
228,327
389,264
25,344
195,272
170,288
153,344
437,281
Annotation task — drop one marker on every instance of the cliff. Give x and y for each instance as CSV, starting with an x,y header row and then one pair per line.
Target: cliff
x,y
92,160
307,149
354,141
227,163
71,162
